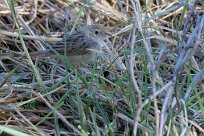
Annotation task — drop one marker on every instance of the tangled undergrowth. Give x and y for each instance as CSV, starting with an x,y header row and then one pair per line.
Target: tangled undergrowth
x,y
152,83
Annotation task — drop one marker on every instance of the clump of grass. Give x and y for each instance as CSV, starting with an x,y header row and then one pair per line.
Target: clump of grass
x,y
153,86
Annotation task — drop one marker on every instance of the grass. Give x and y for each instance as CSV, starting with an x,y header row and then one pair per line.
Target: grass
x,y
155,87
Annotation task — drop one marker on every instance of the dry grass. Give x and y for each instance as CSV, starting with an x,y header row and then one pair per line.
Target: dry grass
x,y
153,85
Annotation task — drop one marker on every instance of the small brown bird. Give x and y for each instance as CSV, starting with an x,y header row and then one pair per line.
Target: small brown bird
x,y
82,45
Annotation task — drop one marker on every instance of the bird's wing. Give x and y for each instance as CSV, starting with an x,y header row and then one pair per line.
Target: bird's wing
x,y
75,46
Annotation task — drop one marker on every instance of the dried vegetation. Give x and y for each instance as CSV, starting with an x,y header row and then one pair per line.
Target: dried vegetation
x,y
155,85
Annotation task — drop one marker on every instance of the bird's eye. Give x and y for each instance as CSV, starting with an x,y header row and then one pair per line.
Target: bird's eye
x,y
96,32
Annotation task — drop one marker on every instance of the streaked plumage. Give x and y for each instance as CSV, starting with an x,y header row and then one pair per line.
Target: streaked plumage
x,y
83,45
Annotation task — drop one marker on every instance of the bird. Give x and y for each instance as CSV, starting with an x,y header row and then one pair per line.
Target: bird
x,y
82,45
